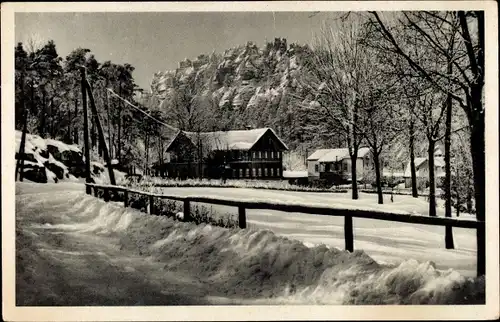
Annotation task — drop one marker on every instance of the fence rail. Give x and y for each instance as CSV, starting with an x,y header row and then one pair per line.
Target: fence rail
x,y
348,214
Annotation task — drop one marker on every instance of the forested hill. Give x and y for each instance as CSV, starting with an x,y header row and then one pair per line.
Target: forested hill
x,y
242,87
246,86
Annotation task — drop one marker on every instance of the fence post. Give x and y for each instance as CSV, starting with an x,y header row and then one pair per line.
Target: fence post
x,y
481,249
348,235
96,192
125,198
106,194
242,219
151,205
187,210
85,129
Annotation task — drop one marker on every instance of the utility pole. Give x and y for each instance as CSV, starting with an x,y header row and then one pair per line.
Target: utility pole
x,y
102,141
85,130
20,160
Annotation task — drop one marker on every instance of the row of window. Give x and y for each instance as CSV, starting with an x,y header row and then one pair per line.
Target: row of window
x,y
256,172
330,167
256,155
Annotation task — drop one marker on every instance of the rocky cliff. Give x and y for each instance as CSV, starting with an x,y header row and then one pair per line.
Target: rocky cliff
x,y
246,86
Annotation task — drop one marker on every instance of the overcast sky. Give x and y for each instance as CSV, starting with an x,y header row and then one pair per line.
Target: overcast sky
x,y
158,41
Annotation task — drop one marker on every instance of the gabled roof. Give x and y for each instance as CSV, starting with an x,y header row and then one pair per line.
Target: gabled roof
x,y
438,162
333,155
318,154
228,140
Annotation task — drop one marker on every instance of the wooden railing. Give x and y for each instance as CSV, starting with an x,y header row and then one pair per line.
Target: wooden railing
x,y
348,214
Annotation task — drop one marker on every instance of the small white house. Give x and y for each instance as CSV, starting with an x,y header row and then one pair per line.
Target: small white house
x,y
324,163
313,163
422,168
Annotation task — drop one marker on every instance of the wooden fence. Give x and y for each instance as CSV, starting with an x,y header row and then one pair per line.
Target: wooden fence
x,y
348,214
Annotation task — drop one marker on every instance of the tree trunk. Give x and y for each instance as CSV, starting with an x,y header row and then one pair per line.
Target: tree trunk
x,y
146,141
43,115
109,122
119,146
20,161
469,201
447,180
478,165
376,159
413,170
432,181
75,133
354,183
68,133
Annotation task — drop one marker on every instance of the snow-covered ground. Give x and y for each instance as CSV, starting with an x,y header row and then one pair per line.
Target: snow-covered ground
x,y
74,249
388,242
36,147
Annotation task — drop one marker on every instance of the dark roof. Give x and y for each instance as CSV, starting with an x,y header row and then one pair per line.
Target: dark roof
x,y
228,140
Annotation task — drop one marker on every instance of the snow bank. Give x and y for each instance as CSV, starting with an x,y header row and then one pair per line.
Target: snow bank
x,y
63,146
258,265
42,161
294,174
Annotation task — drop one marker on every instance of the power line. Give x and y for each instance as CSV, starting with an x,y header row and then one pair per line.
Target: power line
x,y
140,110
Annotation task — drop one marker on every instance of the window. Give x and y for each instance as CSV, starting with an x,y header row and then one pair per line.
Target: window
x,y
316,168
258,155
253,154
345,166
241,173
265,154
234,173
272,172
272,154
277,172
247,172
260,172
254,172
265,172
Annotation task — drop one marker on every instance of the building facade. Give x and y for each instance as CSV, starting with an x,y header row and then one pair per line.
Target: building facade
x,y
422,170
334,165
241,154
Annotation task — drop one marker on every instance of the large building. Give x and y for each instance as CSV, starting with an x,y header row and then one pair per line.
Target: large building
x,y
335,165
249,154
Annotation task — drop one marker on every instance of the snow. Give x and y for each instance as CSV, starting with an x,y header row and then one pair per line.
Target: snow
x,y
295,174
97,164
339,154
389,173
61,227
419,162
318,154
35,144
387,242
221,140
63,146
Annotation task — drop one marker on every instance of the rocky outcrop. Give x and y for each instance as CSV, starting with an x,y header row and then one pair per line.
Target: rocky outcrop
x,y
249,82
49,160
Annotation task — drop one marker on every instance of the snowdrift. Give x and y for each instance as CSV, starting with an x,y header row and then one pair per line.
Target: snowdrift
x,y
256,266
49,160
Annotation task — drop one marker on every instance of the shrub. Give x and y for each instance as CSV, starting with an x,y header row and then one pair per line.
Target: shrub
x,y
149,184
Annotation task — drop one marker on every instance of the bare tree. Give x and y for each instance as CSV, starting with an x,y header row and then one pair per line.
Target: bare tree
x,y
382,117
467,74
336,76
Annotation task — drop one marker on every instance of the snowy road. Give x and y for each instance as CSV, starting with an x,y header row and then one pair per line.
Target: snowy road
x,y
388,242
75,267
73,249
